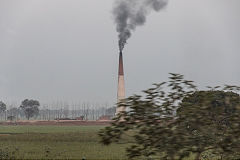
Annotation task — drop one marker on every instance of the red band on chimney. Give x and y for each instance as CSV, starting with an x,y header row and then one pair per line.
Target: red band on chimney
x,y
120,69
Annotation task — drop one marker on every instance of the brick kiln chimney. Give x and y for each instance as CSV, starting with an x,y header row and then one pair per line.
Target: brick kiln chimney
x,y
121,86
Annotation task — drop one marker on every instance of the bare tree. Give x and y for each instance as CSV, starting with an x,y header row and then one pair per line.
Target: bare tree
x,y
66,110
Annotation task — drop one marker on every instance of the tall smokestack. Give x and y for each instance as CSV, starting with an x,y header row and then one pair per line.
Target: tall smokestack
x,y
121,85
128,15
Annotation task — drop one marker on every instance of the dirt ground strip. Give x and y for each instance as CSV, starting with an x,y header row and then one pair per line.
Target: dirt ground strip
x,y
56,122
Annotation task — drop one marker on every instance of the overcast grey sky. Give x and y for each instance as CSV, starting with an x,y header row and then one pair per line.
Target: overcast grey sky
x,y
68,49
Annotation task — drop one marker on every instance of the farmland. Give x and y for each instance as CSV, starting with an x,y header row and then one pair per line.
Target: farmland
x,y
56,142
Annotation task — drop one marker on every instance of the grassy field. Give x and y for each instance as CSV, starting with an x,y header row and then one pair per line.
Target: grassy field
x,y
56,142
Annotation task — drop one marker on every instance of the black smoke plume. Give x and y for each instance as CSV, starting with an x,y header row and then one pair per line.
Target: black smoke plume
x,y
129,14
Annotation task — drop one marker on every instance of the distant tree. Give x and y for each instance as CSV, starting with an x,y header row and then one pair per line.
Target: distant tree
x,y
85,108
66,111
2,107
174,122
13,113
30,108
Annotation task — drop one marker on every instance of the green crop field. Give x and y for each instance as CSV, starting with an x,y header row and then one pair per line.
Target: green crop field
x,y
56,142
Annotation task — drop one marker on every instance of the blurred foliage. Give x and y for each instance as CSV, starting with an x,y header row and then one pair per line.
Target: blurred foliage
x,y
173,120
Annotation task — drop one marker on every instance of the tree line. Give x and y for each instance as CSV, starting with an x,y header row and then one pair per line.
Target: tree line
x,y
32,109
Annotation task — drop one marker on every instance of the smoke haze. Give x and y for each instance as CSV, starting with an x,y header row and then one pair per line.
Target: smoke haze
x,y
129,14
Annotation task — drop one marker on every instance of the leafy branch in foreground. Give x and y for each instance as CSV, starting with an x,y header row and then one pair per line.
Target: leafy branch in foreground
x,y
172,120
